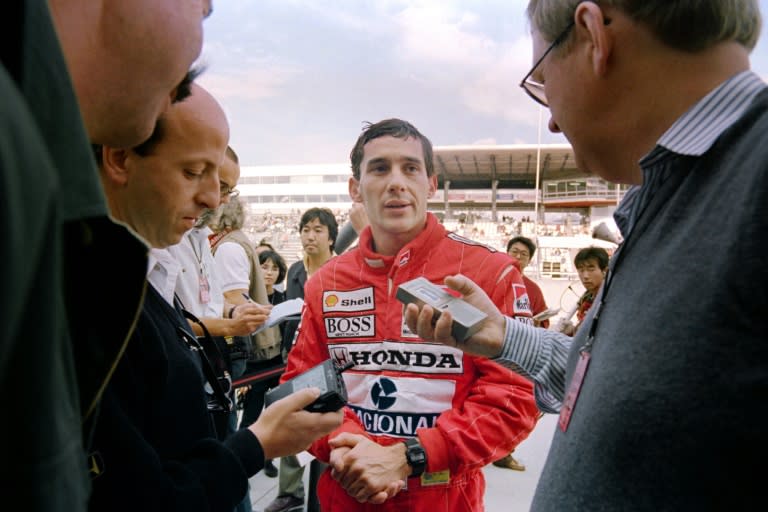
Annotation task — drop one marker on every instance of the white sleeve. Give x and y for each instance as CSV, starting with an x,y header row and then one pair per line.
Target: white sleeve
x,y
232,267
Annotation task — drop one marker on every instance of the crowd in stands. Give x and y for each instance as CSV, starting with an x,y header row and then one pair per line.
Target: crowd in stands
x,y
281,229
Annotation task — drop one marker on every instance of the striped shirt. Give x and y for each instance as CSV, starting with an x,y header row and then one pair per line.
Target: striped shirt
x,y
691,135
541,355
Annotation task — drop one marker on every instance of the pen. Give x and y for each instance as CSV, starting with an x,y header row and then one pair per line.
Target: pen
x,y
247,297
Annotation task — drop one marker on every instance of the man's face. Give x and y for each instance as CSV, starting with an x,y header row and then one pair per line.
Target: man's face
x,y
583,104
520,251
147,46
591,275
167,190
315,239
270,272
229,174
552,73
394,188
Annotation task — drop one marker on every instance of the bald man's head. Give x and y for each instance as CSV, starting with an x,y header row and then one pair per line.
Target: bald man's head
x,y
161,188
198,103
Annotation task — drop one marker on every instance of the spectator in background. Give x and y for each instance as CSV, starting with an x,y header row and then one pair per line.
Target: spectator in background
x,y
199,290
242,282
318,231
273,269
263,245
238,267
657,392
198,286
592,264
522,249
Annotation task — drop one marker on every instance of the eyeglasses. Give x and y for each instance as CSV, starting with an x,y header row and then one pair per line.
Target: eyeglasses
x,y
225,190
518,254
535,89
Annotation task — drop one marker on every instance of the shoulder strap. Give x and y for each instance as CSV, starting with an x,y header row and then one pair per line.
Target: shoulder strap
x,y
207,347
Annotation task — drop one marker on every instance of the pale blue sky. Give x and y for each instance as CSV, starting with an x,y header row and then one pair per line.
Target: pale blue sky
x,y
298,78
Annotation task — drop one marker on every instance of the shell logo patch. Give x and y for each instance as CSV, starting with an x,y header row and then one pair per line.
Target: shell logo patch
x,y
361,299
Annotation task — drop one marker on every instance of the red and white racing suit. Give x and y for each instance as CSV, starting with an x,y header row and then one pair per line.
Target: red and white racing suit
x,y
466,411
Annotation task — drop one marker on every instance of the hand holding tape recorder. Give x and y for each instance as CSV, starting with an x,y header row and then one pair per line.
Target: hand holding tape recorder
x,y
467,319
326,376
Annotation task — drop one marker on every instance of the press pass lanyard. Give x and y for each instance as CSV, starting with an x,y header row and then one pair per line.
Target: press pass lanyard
x,y
660,198
585,353
204,286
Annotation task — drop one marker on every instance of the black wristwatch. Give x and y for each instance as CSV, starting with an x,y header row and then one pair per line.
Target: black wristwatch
x,y
416,456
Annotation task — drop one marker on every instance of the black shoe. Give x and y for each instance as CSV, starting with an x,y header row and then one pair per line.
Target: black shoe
x,y
285,504
269,469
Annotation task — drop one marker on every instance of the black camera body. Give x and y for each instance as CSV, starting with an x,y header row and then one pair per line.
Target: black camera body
x,y
326,376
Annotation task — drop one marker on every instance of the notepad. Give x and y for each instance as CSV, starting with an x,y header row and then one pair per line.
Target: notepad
x,y
288,310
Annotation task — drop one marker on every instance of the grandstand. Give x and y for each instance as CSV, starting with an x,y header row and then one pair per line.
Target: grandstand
x,y
487,193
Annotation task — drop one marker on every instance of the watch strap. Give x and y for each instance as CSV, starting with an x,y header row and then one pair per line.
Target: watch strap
x,y
416,456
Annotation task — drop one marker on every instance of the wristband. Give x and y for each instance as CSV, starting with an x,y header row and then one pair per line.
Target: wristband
x,y
231,311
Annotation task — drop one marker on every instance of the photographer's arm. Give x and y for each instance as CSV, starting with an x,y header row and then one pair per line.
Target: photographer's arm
x,y
246,318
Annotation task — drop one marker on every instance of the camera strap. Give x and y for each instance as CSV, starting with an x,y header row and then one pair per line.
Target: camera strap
x,y
207,347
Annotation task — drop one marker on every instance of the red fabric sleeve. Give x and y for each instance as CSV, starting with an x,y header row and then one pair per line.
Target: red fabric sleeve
x,y
310,350
499,410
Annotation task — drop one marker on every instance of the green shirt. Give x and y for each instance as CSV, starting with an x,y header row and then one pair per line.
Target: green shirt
x,y
58,335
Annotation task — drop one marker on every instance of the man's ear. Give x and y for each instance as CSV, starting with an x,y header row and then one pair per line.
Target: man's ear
x,y
354,190
432,186
591,21
114,165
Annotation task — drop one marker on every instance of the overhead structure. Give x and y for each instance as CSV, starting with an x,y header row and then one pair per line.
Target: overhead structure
x,y
506,166
469,178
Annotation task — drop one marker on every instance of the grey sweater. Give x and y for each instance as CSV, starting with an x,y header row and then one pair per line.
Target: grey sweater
x,y
671,412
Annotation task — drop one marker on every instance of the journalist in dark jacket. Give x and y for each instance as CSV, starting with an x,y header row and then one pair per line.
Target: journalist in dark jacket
x,y
155,447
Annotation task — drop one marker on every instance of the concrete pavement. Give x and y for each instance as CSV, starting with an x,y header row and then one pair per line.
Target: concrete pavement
x,y
506,490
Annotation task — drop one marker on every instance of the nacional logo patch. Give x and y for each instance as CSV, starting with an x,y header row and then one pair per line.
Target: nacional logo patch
x,y
354,300
397,405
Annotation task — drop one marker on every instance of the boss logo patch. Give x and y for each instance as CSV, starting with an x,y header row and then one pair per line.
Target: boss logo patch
x,y
350,326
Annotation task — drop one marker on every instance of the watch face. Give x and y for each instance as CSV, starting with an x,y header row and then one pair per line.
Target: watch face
x,y
416,456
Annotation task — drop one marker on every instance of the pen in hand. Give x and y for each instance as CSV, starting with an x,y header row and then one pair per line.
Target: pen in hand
x,y
250,300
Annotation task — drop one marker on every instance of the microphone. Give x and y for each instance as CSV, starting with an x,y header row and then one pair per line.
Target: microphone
x,y
603,232
566,318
